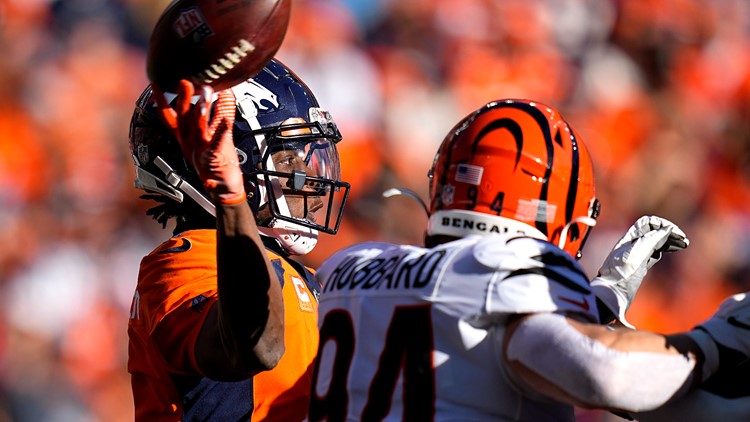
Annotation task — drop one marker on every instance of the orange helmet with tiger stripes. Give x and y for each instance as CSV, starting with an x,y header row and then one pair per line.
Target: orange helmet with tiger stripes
x,y
518,166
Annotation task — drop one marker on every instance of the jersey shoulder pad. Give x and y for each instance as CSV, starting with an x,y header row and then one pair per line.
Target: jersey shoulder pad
x,y
512,250
534,276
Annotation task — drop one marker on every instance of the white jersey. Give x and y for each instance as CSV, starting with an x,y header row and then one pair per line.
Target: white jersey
x,y
413,334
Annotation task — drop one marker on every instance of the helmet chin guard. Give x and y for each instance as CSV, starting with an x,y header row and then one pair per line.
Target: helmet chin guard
x,y
295,239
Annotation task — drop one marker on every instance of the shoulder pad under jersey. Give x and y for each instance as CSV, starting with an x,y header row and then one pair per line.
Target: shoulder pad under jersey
x,y
534,275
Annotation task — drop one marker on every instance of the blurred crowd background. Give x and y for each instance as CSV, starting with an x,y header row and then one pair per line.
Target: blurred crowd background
x,y
658,89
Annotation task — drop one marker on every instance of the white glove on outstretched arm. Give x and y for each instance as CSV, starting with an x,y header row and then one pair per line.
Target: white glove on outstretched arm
x,y
637,251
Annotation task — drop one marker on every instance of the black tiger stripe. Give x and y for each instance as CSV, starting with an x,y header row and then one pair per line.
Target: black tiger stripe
x,y
543,122
505,123
558,138
557,260
570,202
552,275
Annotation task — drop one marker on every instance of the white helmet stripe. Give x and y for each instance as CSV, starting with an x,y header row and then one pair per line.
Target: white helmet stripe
x,y
248,107
249,95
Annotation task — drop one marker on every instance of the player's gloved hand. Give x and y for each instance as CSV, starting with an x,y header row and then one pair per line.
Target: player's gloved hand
x,y
208,146
623,270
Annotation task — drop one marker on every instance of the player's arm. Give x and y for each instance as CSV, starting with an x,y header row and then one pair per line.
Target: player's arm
x,y
244,331
594,366
590,365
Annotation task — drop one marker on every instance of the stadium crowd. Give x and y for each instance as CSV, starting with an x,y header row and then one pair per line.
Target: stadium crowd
x,y
658,89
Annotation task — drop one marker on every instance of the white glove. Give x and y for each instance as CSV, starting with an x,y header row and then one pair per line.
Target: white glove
x,y
637,251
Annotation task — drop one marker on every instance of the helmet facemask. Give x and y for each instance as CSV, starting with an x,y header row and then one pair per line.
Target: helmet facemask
x,y
293,174
295,183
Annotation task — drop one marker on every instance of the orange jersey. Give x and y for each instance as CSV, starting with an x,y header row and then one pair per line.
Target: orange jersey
x,y
176,288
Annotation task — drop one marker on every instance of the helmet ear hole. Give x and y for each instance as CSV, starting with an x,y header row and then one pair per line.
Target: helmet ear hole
x,y
254,195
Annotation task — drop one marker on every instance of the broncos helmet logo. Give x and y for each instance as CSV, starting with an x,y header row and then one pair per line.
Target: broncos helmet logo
x,y
253,99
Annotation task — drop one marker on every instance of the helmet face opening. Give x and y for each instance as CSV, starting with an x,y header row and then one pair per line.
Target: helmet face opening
x,y
514,161
301,179
287,148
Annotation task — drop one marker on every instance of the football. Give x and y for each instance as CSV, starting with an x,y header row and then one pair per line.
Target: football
x,y
215,42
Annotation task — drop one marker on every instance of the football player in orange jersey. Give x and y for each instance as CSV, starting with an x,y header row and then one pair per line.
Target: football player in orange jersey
x,y
495,319
250,176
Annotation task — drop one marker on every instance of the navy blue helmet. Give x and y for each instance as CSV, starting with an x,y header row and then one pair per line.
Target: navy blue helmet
x,y
278,120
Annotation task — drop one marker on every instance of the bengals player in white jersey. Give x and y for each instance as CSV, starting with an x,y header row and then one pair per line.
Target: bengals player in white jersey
x,y
494,319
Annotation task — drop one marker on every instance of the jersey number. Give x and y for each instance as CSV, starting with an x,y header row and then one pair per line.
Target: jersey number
x,y
408,349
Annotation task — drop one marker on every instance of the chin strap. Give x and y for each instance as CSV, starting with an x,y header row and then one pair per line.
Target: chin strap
x,y
294,239
564,234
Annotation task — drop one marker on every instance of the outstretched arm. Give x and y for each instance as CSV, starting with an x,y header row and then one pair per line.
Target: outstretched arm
x,y
594,366
244,331
590,365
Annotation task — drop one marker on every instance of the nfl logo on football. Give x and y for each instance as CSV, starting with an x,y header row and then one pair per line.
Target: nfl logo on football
x,y
191,21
